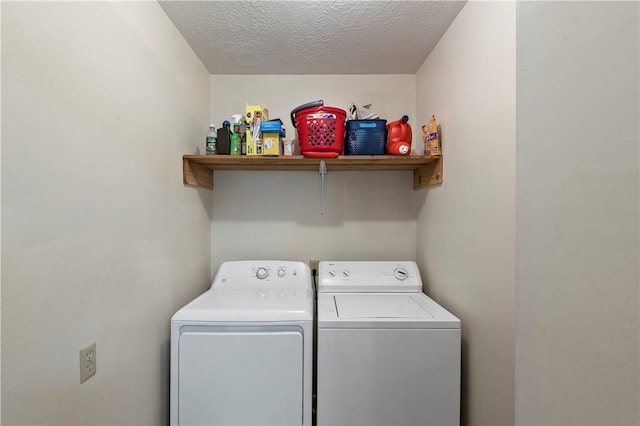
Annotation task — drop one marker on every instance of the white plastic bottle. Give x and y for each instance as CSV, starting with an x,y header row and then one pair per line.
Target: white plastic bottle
x,y
211,147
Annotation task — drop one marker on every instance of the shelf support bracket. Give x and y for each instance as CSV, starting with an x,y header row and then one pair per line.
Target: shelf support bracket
x,y
195,174
428,175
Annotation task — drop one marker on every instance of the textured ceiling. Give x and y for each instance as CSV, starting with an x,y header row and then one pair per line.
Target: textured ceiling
x,y
312,37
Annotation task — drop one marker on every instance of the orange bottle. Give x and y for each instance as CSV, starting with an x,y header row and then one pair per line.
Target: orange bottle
x,y
399,137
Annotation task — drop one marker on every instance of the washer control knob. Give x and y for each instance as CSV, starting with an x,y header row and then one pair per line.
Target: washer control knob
x,y
332,273
281,272
262,273
345,273
400,274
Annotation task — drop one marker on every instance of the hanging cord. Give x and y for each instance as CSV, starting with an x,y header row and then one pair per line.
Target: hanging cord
x,y
323,174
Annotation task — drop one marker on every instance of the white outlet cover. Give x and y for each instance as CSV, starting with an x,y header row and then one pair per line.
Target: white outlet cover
x,y
88,362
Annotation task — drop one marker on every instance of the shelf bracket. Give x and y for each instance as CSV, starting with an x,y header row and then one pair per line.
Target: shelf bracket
x,y
195,174
428,175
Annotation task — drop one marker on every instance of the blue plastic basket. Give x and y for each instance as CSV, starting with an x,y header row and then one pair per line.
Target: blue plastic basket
x,y
366,137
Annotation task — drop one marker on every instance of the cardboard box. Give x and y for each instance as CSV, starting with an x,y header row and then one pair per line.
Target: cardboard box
x,y
271,137
255,115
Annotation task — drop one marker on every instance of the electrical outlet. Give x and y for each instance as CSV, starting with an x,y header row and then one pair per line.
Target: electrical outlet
x,y
313,264
88,364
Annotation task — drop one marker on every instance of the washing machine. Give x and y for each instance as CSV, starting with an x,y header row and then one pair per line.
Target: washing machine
x,y
242,352
387,354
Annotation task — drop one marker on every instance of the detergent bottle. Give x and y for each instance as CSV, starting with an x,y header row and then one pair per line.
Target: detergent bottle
x,y
399,137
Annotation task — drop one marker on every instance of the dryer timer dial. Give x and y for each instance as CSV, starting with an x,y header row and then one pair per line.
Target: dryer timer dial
x,y
262,273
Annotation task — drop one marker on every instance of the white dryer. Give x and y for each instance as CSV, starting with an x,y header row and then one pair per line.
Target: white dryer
x,y
386,353
242,352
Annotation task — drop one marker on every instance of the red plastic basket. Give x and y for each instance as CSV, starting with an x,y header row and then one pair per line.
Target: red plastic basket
x,y
320,129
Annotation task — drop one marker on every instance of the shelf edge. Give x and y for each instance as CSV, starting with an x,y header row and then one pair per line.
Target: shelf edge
x,y
198,170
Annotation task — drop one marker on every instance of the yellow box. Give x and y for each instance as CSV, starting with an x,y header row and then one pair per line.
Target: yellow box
x,y
271,143
254,146
255,115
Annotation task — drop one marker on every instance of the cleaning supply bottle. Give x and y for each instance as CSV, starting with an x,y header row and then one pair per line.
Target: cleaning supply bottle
x,y
236,138
243,132
224,138
211,146
399,137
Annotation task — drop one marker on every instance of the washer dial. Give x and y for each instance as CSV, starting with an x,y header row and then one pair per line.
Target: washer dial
x,y
401,274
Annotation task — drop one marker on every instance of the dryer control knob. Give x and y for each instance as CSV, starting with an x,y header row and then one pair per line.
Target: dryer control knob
x,y
345,273
401,274
262,273
281,272
332,273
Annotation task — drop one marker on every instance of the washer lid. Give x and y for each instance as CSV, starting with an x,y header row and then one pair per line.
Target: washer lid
x,y
379,306
382,310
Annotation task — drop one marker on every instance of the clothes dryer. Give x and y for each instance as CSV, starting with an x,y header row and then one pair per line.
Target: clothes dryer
x,y
242,352
386,353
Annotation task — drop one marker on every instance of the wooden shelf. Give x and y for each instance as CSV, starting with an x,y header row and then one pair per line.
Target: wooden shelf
x,y
198,169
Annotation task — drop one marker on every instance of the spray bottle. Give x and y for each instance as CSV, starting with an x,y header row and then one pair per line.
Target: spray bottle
x,y
236,137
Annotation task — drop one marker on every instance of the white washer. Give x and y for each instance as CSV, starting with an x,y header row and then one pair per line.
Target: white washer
x,y
242,352
387,353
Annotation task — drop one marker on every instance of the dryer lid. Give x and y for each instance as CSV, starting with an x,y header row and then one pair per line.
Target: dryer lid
x,y
249,305
379,306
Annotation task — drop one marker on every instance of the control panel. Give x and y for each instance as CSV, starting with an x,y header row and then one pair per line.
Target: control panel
x,y
369,276
262,272
250,273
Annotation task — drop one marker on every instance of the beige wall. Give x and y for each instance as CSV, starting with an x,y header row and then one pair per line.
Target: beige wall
x,y
100,240
577,214
277,214
466,227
